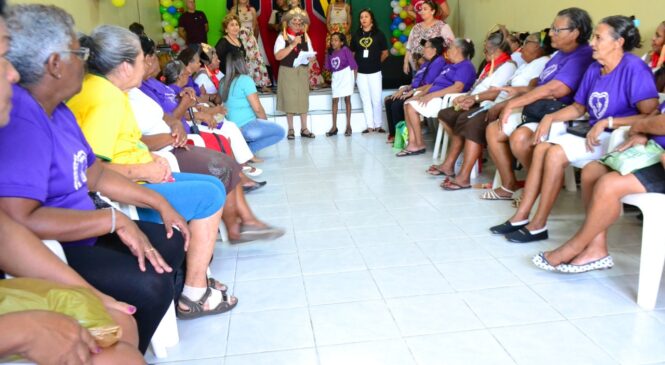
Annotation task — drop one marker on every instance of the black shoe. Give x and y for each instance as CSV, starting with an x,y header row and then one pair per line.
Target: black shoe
x,y
506,227
257,185
524,236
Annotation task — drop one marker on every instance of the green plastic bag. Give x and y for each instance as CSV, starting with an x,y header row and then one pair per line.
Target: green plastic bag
x,y
634,158
24,294
401,136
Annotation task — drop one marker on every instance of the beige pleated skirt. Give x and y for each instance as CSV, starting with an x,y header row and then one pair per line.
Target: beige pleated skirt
x,y
293,90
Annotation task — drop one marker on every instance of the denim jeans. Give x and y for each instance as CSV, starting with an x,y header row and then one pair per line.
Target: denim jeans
x,y
260,134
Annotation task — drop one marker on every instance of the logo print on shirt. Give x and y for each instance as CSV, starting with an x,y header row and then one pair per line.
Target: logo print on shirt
x,y
599,103
79,166
335,62
547,72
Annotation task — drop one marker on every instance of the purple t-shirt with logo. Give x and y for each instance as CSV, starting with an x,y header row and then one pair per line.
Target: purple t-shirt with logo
x,y
51,166
660,139
341,59
451,73
428,72
164,96
567,68
617,93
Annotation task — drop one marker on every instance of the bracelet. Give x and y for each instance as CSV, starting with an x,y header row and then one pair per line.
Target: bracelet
x,y
609,122
112,220
477,98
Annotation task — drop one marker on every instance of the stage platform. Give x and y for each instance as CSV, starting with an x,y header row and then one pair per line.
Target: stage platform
x,y
320,112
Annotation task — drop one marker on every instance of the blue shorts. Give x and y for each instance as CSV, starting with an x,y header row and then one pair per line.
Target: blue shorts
x,y
193,196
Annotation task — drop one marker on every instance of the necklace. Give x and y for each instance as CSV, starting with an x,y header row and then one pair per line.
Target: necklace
x,y
233,41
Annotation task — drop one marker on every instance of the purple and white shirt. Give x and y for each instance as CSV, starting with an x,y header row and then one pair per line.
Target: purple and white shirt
x,y
52,170
567,68
451,73
617,93
340,59
428,72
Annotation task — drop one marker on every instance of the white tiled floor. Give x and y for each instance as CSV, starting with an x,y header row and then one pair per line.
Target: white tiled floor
x,y
380,266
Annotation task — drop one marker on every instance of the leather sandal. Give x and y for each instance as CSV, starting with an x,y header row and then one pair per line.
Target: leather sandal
x,y
195,309
306,133
348,132
291,134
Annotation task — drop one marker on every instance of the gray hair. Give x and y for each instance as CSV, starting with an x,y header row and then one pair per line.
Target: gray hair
x,y
172,70
110,46
37,32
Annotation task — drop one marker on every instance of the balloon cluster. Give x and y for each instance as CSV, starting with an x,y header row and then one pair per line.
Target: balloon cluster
x,y
400,27
171,11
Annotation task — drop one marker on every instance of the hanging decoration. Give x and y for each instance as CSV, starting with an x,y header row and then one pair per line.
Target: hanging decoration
x,y
171,10
401,26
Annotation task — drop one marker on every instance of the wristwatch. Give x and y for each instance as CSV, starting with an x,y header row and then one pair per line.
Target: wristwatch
x,y
477,98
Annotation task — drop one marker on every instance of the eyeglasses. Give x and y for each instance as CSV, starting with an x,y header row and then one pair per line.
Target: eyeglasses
x,y
82,53
556,30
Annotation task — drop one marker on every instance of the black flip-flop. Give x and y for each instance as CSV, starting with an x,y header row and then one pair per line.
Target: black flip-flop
x,y
404,153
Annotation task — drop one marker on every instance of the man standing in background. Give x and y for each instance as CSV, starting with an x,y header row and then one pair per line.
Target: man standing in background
x,y
193,25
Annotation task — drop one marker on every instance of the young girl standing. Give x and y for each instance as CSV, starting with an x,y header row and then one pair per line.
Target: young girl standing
x,y
340,61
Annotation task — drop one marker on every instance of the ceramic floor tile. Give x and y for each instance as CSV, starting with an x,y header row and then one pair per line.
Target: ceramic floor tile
x,y
323,240
510,306
432,231
391,352
584,298
269,331
331,261
550,343
359,205
199,339
267,267
464,348
341,287
402,254
477,274
630,338
374,236
453,249
352,322
290,357
259,295
429,314
409,281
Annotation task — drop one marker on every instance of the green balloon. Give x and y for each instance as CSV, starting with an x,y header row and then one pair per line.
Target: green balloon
x,y
397,33
174,22
179,4
177,15
162,9
167,16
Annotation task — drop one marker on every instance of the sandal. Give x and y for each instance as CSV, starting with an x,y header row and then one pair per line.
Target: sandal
x,y
380,130
291,134
404,153
452,185
195,309
306,133
332,132
251,171
216,284
435,171
367,130
348,132
492,194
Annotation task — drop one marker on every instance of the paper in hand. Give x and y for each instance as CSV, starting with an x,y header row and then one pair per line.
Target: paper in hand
x,y
303,58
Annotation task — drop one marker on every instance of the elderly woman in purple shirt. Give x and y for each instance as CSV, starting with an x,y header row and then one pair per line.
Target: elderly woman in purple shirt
x,y
616,90
424,77
587,249
554,89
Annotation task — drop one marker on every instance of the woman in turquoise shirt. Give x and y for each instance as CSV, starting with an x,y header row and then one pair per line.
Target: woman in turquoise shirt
x,y
244,107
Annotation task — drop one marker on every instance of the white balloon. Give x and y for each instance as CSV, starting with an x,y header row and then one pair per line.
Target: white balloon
x,y
394,3
401,26
397,9
175,34
180,42
165,23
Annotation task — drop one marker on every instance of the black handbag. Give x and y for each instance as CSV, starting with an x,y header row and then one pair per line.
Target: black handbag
x,y
534,112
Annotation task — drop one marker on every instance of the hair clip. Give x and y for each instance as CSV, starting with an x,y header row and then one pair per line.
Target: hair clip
x,y
467,40
636,23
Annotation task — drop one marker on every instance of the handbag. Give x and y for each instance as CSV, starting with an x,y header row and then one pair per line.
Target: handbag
x,y
534,112
580,130
401,136
634,158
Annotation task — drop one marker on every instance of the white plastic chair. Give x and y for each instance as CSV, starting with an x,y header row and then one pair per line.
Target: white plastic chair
x,y
653,247
441,141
